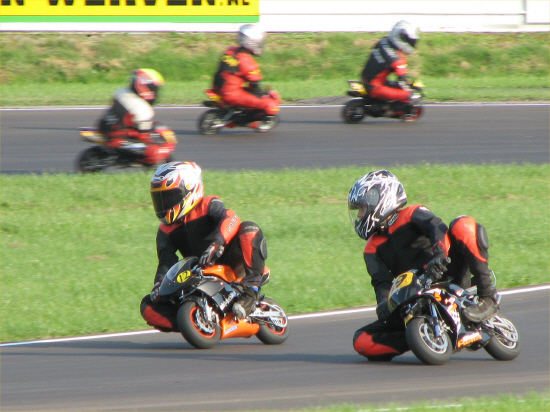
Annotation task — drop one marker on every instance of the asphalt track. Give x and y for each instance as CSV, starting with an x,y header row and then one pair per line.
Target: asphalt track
x,y
312,137
315,367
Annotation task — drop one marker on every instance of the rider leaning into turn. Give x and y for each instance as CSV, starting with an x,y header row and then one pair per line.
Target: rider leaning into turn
x,y
403,238
238,75
194,225
128,124
387,57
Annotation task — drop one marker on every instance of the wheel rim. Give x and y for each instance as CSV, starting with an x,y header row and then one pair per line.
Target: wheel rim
x,y
435,344
202,326
506,332
208,123
277,324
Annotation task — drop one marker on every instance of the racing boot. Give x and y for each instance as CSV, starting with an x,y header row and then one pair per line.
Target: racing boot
x,y
485,309
246,302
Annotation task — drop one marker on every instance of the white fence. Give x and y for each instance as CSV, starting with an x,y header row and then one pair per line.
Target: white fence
x,y
348,16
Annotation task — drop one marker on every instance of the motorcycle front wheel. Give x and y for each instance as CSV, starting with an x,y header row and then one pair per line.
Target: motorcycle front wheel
x,y
504,344
427,347
208,122
415,114
275,331
195,328
354,111
268,124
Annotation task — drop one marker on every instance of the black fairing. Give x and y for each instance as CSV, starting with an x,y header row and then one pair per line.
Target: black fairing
x,y
179,276
405,287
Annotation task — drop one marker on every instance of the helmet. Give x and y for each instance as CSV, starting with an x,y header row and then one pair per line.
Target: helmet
x,y
252,39
372,199
146,84
176,188
404,36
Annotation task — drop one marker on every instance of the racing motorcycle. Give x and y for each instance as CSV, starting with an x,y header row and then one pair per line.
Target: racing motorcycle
x,y
101,156
205,297
223,115
436,327
363,105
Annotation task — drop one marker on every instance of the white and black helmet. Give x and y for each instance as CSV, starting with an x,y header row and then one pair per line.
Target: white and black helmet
x,y
372,199
404,36
252,38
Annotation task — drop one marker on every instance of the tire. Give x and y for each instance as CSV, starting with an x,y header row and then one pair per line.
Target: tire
x,y
209,119
271,334
414,115
94,159
423,343
195,328
268,124
354,111
505,343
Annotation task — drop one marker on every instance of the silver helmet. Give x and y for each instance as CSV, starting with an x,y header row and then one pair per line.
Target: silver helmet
x,y
404,36
252,38
372,199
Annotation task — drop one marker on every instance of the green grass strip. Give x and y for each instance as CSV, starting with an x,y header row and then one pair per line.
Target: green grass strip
x,y
77,252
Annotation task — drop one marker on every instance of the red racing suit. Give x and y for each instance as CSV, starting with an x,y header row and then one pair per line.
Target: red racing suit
x,y
407,244
237,72
384,60
128,125
245,251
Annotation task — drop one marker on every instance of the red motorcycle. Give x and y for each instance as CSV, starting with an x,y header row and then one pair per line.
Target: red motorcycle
x,y
127,155
223,115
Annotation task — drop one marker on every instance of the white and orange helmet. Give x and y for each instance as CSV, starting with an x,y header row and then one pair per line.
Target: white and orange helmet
x,y
176,188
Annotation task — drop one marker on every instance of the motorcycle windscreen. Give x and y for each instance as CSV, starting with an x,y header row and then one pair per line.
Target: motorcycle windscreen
x,y
404,287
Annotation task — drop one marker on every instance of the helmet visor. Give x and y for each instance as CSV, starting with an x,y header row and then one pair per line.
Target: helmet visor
x,y
166,199
364,206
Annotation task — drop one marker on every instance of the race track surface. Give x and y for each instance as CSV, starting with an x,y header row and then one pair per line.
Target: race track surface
x,y
311,137
315,367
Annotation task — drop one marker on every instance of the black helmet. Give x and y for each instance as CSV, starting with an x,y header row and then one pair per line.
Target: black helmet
x,y
372,199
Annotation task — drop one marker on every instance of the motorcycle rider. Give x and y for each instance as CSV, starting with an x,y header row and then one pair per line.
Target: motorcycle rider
x,y
196,225
128,124
237,79
402,238
389,56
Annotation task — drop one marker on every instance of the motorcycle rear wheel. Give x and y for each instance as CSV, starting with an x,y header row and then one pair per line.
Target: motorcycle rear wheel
x,y
505,343
354,111
425,345
94,159
208,120
194,327
273,334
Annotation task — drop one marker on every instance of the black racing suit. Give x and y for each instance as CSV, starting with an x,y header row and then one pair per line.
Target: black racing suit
x,y
408,243
244,243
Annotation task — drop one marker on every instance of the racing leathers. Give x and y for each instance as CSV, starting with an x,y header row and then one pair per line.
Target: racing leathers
x,y
128,125
410,241
209,222
384,60
237,82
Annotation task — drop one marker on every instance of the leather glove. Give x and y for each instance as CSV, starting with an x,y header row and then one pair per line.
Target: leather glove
x,y
155,293
437,266
213,252
383,310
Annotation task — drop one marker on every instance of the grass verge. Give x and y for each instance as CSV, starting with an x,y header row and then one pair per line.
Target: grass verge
x,y
78,251
531,402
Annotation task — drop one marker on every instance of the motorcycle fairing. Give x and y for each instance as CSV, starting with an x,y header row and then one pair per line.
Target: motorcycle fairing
x,y
232,328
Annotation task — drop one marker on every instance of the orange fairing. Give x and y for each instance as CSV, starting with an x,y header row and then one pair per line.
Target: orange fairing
x,y
237,329
222,271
